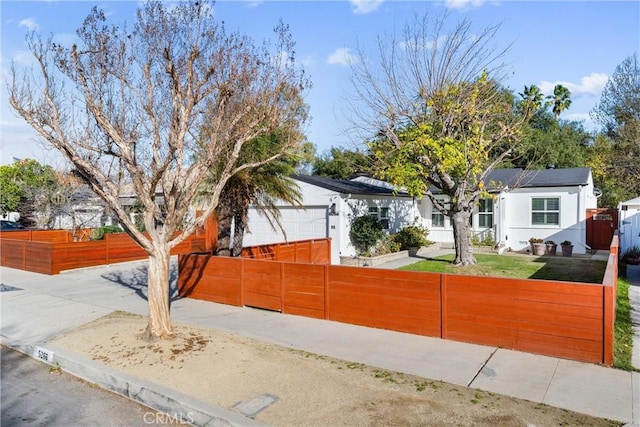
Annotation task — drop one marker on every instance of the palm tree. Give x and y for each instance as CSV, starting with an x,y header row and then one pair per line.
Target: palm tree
x,y
262,187
531,99
560,100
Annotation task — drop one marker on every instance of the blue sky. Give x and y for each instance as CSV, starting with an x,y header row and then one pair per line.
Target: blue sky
x,y
576,43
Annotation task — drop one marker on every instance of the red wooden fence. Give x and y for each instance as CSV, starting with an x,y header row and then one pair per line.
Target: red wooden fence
x,y
562,319
52,251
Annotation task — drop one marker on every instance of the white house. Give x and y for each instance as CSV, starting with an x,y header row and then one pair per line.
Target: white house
x,y
548,204
629,217
329,207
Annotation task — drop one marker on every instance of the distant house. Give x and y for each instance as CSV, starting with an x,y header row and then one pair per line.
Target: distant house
x,y
549,204
83,209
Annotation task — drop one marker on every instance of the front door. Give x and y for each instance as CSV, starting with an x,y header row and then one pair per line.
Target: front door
x,y
601,224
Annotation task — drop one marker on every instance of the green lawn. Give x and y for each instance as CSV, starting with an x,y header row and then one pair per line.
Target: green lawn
x,y
623,341
519,266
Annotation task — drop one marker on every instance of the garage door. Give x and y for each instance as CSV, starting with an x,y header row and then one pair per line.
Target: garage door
x,y
300,224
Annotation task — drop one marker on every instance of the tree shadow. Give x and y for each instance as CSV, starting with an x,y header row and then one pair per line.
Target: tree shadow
x,y
136,280
426,258
568,269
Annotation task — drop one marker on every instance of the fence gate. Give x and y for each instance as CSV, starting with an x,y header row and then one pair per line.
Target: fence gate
x,y
601,225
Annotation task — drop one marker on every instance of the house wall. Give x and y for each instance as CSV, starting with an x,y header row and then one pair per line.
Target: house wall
x,y
324,221
629,226
311,221
445,234
512,218
574,201
402,211
79,219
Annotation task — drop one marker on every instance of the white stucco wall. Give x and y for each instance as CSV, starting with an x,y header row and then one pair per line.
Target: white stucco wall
x,y
402,211
512,217
312,221
445,234
574,201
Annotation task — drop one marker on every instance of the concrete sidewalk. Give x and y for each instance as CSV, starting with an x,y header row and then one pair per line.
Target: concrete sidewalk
x,y
45,306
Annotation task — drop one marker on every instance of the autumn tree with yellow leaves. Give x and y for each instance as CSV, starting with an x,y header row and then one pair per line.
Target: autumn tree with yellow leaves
x,y
440,120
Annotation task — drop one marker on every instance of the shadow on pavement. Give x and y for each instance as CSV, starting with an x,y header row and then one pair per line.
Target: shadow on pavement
x,y
136,279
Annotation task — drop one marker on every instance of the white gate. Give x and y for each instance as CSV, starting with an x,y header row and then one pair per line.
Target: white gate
x,y
629,224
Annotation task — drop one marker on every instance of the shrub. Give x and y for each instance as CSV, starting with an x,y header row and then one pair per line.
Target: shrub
x,y
566,243
535,240
365,232
386,245
98,233
412,236
487,240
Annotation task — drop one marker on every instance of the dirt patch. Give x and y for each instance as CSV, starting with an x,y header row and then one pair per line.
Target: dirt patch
x,y
225,369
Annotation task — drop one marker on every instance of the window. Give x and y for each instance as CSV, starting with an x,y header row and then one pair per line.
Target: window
x,y
545,211
485,213
437,218
382,214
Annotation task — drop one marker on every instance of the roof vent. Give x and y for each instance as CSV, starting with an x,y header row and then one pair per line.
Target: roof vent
x,y
551,166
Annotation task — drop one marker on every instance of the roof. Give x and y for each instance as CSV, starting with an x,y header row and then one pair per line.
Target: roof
x,y
569,177
344,186
495,181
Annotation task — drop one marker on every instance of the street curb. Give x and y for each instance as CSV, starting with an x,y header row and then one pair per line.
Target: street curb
x,y
179,406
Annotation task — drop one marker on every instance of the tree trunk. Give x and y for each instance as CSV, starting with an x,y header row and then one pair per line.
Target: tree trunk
x,y
159,326
239,227
225,218
462,239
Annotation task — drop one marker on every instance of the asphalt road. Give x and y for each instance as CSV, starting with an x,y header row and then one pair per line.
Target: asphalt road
x,y
34,394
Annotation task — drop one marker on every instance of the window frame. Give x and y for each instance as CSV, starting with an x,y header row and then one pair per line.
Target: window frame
x,y
483,213
441,222
545,211
378,212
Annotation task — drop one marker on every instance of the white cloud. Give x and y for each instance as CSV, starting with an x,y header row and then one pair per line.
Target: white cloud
x,y
362,7
308,61
463,4
30,24
341,56
23,57
589,85
254,3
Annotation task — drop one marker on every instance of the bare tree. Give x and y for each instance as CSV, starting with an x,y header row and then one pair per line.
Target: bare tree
x,y
159,107
437,115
